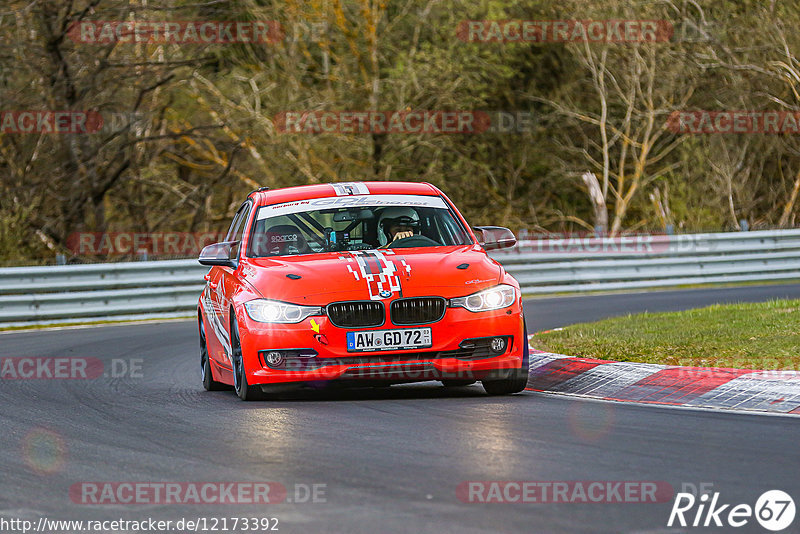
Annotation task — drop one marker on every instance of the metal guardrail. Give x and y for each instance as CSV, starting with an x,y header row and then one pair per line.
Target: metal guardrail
x,y
110,291
153,289
604,264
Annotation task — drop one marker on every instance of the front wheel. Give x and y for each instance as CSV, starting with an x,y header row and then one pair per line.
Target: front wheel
x,y
506,386
519,377
245,391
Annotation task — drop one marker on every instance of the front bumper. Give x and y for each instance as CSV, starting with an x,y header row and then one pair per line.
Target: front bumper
x,y
460,350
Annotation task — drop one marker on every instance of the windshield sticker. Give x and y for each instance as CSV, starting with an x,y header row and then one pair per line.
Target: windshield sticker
x,y
366,201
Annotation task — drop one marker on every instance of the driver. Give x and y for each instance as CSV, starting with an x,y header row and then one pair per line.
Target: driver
x,y
396,223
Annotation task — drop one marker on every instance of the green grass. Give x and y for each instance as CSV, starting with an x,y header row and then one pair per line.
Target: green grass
x,y
763,335
715,285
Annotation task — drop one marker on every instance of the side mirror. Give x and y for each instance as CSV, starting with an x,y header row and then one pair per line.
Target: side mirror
x,y
495,237
219,254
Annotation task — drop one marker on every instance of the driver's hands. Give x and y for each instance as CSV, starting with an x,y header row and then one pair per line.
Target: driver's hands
x,y
402,235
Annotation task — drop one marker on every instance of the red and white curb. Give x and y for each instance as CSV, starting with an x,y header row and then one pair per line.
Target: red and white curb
x,y
698,387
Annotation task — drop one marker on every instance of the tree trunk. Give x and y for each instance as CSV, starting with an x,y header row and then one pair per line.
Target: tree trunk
x,y
598,202
787,210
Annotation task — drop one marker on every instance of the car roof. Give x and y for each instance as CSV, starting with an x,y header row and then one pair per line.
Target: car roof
x,y
265,197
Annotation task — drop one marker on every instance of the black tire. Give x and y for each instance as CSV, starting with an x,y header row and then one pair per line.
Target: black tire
x,y
456,383
209,384
245,391
518,379
506,386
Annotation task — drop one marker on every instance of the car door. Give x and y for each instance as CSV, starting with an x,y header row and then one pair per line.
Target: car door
x,y
229,282
217,301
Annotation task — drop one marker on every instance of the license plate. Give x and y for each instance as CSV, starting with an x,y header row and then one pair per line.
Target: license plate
x,y
373,340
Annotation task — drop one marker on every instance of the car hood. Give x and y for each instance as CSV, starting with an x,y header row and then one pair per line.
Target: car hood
x,y
336,276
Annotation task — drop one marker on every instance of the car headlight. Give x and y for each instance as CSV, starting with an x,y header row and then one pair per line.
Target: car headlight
x,y
494,298
273,311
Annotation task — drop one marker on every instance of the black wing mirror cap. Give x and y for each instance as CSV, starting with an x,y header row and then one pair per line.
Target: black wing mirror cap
x,y
495,237
219,254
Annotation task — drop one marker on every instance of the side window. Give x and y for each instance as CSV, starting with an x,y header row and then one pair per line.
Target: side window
x,y
232,229
237,227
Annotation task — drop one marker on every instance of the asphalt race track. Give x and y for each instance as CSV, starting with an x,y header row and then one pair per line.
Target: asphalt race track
x,y
545,313
387,460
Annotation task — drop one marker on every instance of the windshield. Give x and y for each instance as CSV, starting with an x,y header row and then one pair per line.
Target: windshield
x,y
354,223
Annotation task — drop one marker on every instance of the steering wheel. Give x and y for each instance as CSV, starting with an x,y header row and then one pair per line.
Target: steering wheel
x,y
414,241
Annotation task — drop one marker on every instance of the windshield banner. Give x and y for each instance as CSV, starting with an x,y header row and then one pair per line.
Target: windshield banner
x,y
356,201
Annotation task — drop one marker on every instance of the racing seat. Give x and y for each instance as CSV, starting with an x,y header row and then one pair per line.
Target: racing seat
x,y
280,240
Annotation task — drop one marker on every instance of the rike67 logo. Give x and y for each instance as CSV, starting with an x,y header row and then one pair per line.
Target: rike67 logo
x,y
774,510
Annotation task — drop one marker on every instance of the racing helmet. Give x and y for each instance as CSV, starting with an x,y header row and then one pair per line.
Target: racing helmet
x,y
401,215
